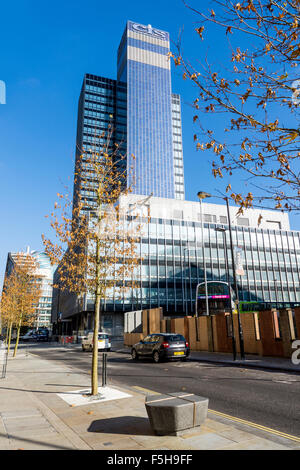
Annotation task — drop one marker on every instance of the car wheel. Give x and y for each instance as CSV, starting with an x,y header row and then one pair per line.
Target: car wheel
x,y
83,348
156,357
134,355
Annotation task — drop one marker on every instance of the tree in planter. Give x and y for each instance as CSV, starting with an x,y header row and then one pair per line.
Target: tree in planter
x,y
20,296
257,88
96,249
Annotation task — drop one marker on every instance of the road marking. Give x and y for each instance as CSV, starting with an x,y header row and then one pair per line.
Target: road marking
x,y
238,420
257,426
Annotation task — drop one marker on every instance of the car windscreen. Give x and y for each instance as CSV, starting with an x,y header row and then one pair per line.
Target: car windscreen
x,y
101,336
173,338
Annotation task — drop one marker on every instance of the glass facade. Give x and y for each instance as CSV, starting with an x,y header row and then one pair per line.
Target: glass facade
x,y
144,66
96,111
143,113
172,264
44,273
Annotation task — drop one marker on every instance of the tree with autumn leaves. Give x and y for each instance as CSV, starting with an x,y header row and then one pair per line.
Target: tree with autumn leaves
x,y
256,88
95,243
20,297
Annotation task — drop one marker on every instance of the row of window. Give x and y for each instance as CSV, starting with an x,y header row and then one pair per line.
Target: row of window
x,y
163,296
100,107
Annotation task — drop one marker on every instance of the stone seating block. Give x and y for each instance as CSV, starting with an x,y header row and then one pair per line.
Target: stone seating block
x,y
172,413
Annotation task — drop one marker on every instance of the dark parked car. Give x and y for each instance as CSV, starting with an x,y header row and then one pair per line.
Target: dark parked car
x,y
161,346
42,335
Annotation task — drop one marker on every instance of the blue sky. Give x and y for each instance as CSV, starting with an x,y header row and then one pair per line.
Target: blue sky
x,y
46,47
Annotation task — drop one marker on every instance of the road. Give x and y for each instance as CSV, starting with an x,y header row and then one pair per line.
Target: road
x,y
263,397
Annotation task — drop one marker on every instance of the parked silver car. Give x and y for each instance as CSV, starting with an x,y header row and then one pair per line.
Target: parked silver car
x,y
103,342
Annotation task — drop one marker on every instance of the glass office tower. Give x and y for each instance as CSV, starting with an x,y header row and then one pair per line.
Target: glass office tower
x,y
102,103
144,65
143,112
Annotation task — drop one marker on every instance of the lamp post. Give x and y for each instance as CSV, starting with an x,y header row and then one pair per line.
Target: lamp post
x,y
185,287
223,231
241,336
202,195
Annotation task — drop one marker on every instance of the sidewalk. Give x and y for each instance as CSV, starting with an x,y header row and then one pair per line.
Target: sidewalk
x,y
33,416
251,360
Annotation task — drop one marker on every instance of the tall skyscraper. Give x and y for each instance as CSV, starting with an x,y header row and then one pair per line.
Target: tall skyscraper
x,y
144,65
143,112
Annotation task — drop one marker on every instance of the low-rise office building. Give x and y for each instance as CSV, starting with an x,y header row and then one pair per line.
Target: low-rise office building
x,y
171,264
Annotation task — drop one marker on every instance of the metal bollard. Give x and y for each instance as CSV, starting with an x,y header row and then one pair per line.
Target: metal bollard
x,y
104,369
3,355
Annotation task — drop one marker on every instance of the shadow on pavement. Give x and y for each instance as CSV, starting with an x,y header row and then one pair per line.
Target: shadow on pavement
x,y
20,439
131,425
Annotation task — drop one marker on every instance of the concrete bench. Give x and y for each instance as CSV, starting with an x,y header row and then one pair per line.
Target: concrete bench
x,y
173,413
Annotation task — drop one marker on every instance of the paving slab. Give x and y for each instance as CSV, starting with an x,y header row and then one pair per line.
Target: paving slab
x,y
83,397
209,441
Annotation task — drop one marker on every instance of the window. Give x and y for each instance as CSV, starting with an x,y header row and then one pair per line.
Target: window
x,y
209,218
148,339
178,214
173,338
243,221
155,338
274,224
223,219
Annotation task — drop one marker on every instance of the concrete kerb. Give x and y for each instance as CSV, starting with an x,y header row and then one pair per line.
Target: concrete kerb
x,y
248,365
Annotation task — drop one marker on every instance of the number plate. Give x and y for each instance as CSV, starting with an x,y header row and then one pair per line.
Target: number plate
x,y
179,353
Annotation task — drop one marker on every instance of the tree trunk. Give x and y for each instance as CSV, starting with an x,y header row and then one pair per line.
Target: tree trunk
x,y
8,339
17,339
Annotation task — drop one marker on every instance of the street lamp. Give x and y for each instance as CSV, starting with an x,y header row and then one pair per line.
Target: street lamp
x,y
241,337
201,195
223,231
185,289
